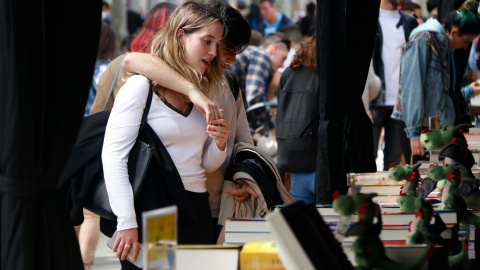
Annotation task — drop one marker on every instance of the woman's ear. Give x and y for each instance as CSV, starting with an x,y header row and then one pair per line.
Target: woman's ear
x,y
180,35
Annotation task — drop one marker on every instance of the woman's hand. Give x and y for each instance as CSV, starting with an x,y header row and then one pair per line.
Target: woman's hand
x,y
242,193
417,148
205,105
218,130
126,239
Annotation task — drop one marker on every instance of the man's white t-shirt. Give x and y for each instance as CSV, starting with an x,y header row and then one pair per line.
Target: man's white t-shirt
x,y
393,40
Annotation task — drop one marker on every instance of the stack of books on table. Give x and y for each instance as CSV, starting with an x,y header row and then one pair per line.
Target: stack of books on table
x,y
387,190
239,231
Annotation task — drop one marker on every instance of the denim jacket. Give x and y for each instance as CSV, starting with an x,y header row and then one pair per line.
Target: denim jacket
x,y
425,80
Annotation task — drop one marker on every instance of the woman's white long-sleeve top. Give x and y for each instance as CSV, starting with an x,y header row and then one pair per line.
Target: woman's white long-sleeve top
x,y
184,136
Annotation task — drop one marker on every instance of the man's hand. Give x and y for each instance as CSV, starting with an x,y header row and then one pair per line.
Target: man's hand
x,y
472,76
476,88
417,148
242,193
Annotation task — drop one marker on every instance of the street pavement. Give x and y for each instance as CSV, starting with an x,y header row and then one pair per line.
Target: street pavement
x,y
105,259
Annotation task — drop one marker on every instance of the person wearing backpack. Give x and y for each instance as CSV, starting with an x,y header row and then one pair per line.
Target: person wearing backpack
x,y
297,121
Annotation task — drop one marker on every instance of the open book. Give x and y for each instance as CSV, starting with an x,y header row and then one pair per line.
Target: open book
x,y
305,241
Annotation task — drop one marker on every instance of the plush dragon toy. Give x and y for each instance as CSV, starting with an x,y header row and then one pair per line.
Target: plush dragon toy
x,y
455,190
408,200
436,139
368,248
451,142
423,232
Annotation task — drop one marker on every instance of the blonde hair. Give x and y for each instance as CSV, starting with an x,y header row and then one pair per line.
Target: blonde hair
x,y
191,16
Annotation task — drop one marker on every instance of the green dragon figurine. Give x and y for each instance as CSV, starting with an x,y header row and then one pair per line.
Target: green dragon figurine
x,y
423,232
451,192
436,139
368,248
467,187
408,200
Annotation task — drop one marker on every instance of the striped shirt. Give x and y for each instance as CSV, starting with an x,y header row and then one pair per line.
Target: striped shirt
x,y
252,69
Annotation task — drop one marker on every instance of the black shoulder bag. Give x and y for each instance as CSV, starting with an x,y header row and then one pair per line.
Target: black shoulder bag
x,y
97,198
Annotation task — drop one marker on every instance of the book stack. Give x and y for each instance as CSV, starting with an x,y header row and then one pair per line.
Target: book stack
x,y
388,190
206,257
263,255
239,231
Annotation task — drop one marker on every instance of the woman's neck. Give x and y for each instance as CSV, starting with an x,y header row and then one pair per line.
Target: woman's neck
x,y
177,100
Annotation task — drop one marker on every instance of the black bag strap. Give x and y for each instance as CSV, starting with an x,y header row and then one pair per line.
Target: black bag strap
x,y
147,109
232,83
114,81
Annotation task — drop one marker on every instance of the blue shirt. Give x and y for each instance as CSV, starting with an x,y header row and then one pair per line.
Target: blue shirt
x,y
100,67
272,28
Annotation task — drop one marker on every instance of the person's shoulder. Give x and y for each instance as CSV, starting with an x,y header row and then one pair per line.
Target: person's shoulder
x,y
232,83
409,19
137,82
286,20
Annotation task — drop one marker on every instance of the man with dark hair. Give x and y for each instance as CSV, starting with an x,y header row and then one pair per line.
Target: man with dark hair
x,y
394,27
272,19
254,68
238,30
292,33
432,8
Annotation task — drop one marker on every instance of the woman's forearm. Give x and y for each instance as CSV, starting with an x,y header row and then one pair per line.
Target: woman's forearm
x,y
157,71
165,76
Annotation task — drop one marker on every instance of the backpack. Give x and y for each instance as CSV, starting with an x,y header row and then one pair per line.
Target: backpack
x,y
297,121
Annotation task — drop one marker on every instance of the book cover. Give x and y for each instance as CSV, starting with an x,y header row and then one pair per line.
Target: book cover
x,y
382,190
244,237
449,217
159,238
260,255
246,225
305,241
207,257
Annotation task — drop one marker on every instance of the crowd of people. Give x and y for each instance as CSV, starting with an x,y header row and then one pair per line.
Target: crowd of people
x,y
208,64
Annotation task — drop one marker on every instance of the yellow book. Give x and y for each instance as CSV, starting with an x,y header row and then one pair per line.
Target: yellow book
x,y
260,255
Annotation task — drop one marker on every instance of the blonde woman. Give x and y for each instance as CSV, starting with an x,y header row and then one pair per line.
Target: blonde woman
x,y
188,44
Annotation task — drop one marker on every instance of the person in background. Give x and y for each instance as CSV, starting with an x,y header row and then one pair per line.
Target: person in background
x,y
296,110
125,44
293,33
253,17
432,8
394,27
255,38
371,90
134,22
307,23
298,14
155,22
427,76
191,35
272,19
89,232
106,51
254,68
413,9
237,37
106,12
